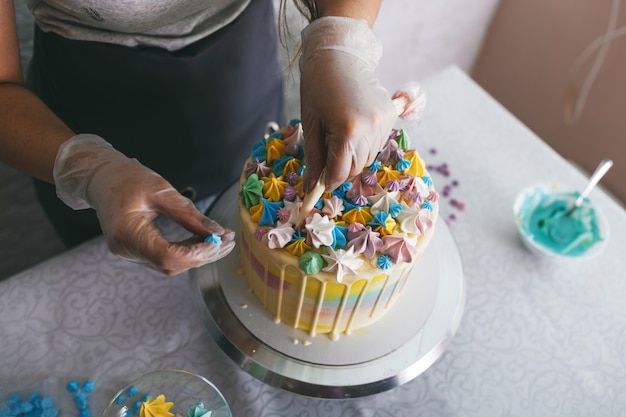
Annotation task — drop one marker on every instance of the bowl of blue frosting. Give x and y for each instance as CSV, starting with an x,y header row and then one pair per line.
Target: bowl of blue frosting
x,y
548,227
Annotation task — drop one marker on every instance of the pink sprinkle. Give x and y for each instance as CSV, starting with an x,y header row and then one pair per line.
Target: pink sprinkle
x,y
260,233
290,193
369,177
291,178
393,185
283,214
361,200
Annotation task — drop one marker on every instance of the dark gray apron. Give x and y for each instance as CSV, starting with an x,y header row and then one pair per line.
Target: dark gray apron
x,y
191,115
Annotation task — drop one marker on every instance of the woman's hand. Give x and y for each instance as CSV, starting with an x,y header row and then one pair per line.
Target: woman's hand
x,y
346,114
128,197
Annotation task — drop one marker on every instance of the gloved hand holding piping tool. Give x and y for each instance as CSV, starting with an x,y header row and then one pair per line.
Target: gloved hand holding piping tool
x,y
345,134
346,113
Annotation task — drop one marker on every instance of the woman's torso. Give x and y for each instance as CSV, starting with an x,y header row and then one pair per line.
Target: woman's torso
x,y
168,24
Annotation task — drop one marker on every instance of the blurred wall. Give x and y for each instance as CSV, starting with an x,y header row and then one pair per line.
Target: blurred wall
x,y
525,62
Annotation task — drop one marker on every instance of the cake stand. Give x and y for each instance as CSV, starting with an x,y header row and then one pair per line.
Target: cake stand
x,y
394,350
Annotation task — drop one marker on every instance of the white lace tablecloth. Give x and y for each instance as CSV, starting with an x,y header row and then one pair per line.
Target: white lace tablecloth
x,y
538,338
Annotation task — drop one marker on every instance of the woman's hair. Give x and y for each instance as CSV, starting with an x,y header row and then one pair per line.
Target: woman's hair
x,y
307,8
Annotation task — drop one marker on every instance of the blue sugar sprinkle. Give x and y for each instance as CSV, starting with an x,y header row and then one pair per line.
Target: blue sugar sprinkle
x,y
35,399
50,412
132,391
26,407
47,403
72,386
84,413
120,399
88,386
36,406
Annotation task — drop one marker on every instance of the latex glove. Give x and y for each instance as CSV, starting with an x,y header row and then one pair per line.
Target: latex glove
x,y
128,197
346,114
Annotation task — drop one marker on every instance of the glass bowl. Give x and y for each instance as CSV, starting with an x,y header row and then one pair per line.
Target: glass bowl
x,y
547,231
185,389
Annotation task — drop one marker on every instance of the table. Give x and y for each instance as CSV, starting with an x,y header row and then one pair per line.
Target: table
x,y
538,337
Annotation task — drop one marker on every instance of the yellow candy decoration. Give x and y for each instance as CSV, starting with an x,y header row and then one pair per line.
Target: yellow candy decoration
x,y
361,215
297,247
256,212
417,165
156,407
275,149
274,187
387,174
390,223
293,165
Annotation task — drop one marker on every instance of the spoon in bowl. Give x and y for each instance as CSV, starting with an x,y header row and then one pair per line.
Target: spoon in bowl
x,y
597,175
560,226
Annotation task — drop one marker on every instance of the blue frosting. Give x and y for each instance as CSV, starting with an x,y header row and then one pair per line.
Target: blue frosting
x,y
213,238
384,262
338,193
259,151
340,237
375,166
403,164
395,209
279,165
380,219
270,212
345,186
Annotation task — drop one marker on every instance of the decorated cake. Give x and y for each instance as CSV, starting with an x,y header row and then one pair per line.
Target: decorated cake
x,y
348,263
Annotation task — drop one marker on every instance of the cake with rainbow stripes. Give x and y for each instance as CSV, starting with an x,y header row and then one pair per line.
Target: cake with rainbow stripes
x,y
349,262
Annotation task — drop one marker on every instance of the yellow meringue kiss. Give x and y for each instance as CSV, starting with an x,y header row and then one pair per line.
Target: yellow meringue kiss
x,y
156,407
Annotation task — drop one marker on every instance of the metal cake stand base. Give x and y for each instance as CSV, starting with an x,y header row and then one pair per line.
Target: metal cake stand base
x,y
395,349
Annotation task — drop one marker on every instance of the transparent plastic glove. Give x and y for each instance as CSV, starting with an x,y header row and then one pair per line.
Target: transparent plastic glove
x,y
128,197
346,114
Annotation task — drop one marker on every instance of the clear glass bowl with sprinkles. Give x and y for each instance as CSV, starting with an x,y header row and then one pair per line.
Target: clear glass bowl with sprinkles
x,y
168,393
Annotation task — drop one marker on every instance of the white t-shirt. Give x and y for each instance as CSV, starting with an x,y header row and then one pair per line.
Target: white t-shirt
x,y
168,24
